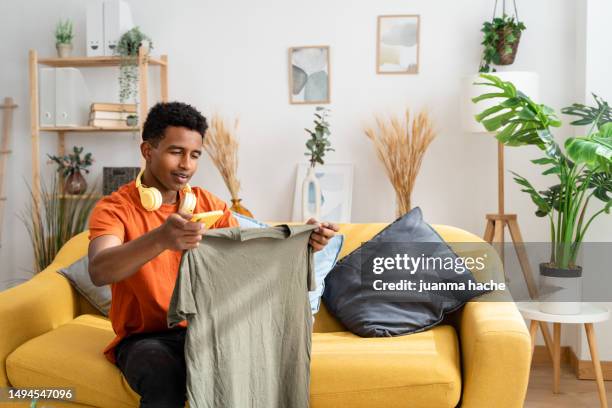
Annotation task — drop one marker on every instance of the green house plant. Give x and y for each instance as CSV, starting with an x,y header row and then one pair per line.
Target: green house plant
x,y
55,221
63,38
127,48
583,170
70,167
318,143
317,146
501,38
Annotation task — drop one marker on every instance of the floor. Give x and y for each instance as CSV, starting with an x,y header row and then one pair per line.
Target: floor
x,y
574,393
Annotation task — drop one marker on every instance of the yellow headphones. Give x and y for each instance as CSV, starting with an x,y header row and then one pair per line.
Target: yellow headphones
x,y
151,198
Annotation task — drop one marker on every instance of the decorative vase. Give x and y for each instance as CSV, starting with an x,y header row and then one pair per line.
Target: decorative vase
x,y
132,120
75,184
311,196
507,59
63,50
560,289
239,208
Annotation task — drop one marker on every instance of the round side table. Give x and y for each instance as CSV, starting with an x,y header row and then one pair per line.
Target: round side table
x,y
590,313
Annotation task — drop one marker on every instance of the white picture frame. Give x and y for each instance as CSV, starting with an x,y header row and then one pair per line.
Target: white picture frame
x,y
336,181
397,44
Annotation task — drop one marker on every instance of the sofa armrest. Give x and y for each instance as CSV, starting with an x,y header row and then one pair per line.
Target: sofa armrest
x,y
35,307
496,354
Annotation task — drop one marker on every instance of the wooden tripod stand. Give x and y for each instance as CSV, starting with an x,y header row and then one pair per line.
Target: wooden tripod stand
x,y
494,234
7,122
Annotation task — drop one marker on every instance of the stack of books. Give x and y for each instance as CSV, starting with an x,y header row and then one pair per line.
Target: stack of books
x,y
110,115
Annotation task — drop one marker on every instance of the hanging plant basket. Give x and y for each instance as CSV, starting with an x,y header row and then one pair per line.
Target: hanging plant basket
x,y
505,57
501,37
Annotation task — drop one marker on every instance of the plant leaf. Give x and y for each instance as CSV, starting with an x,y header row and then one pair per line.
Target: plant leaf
x,y
601,113
542,204
595,150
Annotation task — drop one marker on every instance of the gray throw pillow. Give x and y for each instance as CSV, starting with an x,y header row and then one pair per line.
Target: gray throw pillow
x,y
78,275
350,292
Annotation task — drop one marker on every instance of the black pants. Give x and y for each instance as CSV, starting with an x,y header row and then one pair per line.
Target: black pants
x,y
154,366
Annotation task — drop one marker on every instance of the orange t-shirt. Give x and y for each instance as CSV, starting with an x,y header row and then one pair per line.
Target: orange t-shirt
x,y
140,302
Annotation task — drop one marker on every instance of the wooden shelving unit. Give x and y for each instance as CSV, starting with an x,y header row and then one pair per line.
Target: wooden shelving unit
x,y
80,197
144,62
94,61
67,129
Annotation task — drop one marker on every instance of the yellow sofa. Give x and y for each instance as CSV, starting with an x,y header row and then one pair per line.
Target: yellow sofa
x,y
480,357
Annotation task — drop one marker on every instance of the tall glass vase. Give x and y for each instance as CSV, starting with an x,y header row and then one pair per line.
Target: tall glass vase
x,y
311,196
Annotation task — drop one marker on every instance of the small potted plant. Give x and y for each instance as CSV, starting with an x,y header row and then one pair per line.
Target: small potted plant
x,y
127,48
63,38
317,145
583,177
132,120
501,40
70,166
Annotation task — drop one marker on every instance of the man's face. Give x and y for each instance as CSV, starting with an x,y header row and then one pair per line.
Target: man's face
x,y
175,159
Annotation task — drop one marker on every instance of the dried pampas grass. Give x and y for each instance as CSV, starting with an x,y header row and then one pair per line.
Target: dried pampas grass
x,y
401,147
222,146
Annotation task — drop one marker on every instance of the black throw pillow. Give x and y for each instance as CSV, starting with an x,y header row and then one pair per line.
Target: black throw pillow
x,y
404,280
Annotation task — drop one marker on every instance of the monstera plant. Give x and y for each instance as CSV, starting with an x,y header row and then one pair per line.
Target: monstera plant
x,y
583,169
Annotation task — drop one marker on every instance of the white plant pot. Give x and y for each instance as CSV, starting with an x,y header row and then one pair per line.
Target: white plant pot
x,y
311,208
63,50
560,290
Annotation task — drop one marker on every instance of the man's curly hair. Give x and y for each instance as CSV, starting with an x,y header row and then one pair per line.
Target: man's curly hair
x,y
166,114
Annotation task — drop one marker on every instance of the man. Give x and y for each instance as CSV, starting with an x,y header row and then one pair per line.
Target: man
x,y
138,251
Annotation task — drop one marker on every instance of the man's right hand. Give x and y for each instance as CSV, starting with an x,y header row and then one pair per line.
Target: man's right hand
x,y
111,261
178,233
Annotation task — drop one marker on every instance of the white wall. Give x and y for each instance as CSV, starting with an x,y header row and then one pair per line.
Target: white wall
x,y
594,26
231,57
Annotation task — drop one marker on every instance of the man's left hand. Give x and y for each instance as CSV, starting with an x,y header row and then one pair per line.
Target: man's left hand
x,y
322,234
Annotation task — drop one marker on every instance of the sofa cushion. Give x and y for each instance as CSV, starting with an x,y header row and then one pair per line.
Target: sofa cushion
x,y
71,356
420,370
354,288
78,275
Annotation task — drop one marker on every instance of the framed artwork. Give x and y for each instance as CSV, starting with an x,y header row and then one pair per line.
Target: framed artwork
x,y
336,181
309,75
115,177
397,44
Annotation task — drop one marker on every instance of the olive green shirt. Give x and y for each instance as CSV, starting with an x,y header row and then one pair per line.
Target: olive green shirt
x,y
244,293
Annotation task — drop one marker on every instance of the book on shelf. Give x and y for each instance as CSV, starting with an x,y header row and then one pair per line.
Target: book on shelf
x,y
109,115
108,123
113,107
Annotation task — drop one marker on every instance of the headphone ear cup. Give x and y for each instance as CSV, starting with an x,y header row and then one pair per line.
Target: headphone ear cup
x,y
189,203
150,198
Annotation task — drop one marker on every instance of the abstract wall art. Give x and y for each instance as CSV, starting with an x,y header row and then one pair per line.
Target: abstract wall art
x,y
309,75
397,44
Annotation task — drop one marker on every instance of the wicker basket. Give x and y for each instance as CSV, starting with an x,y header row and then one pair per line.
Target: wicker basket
x,y
506,59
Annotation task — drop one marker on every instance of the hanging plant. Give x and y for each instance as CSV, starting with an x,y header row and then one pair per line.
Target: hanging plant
x,y
127,48
501,39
